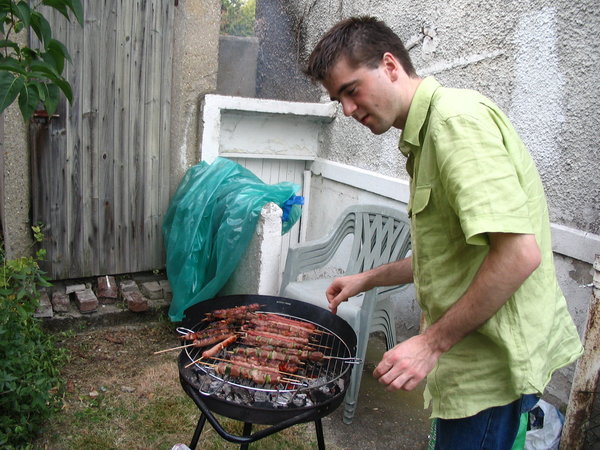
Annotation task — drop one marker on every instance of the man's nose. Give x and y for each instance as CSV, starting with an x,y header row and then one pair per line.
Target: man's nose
x,y
348,107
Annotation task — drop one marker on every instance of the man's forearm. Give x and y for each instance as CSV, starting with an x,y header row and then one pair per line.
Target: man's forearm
x,y
511,259
391,274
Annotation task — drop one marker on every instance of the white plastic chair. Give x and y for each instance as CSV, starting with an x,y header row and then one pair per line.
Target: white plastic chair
x,y
379,235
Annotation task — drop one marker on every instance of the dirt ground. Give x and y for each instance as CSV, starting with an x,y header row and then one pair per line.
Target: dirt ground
x,y
120,395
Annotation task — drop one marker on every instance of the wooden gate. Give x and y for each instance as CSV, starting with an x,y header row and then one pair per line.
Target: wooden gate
x,y
100,168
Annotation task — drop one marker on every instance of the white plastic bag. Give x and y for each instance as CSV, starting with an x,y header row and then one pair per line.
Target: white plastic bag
x,y
546,423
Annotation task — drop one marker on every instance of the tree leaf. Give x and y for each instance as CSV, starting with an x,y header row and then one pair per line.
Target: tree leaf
x,y
23,12
41,27
52,98
10,86
28,101
59,5
77,9
59,47
65,87
42,66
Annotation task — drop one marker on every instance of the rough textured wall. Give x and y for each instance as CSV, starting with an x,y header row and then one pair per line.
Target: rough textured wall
x,y
537,59
195,65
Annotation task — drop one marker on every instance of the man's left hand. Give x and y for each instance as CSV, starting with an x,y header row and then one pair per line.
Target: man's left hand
x,y
405,365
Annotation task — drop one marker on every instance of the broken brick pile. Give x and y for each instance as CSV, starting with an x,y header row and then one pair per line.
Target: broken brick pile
x,y
83,298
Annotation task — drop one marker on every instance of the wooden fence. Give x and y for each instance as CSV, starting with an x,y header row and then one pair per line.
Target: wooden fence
x,y
100,169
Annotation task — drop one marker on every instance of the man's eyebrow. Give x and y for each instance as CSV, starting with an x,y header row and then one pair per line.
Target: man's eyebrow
x,y
342,88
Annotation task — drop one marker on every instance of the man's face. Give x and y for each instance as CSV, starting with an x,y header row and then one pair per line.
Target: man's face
x,y
365,94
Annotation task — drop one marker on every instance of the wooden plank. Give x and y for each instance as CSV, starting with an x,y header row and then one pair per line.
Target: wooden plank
x,y
105,47
153,49
88,129
123,220
136,148
168,14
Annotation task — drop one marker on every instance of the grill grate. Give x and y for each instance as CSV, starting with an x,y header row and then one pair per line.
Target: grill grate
x,y
312,375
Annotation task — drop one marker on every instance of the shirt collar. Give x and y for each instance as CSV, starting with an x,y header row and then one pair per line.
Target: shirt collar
x,y
417,115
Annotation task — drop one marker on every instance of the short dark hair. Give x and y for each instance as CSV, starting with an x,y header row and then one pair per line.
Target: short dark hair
x,y
363,41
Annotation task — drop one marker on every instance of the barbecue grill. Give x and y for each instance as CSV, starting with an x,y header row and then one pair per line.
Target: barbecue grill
x,y
315,393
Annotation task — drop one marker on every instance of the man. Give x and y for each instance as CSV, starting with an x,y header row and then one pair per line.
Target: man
x,y
497,323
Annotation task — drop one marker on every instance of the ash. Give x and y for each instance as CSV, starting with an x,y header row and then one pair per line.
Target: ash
x,y
242,392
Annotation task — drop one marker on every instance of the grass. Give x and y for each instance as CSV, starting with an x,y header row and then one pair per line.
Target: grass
x,y
119,395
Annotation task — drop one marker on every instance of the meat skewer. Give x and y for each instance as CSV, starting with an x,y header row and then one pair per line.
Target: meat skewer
x,y
199,342
285,320
258,363
226,324
257,321
257,376
213,351
236,312
257,341
266,354
266,334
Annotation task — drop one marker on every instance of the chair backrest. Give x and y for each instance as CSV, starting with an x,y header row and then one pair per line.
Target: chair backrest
x,y
381,235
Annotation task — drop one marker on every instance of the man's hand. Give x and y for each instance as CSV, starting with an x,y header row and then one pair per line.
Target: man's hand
x,y
405,365
341,289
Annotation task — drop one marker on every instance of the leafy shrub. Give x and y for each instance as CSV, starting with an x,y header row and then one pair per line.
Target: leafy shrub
x,y
29,358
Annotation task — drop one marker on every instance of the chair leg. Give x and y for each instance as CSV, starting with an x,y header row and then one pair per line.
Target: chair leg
x,y
351,398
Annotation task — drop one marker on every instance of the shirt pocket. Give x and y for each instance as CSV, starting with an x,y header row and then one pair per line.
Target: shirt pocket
x,y
419,200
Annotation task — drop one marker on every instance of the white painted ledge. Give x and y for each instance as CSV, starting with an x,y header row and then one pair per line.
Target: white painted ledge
x,y
261,128
566,241
575,243
385,186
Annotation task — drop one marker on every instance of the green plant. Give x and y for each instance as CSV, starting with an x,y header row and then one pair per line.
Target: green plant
x,y
29,373
34,75
237,17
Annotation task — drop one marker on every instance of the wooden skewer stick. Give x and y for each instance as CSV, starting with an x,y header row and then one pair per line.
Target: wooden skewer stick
x,y
195,362
174,348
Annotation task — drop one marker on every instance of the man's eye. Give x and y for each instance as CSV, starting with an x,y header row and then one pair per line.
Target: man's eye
x,y
352,91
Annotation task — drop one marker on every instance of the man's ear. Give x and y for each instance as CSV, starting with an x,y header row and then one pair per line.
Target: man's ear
x,y
391,65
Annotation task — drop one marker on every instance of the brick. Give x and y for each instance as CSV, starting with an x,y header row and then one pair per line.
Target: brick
x,y
166,287
60,302
70,288
107,291
136,302
86,301
152,290
45,307
128,286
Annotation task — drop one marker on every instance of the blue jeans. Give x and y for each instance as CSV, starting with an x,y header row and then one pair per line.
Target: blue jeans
x,y
491,429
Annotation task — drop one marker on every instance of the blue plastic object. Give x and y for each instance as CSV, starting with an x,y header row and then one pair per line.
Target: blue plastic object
x,y
209,225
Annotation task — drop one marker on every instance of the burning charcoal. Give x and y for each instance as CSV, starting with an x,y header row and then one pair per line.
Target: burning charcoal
x,y
261,396
300,400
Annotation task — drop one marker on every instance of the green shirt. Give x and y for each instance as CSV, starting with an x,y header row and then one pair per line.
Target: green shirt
x,y
471,175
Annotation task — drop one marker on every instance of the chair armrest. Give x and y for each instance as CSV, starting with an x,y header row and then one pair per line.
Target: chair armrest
x,y
313,255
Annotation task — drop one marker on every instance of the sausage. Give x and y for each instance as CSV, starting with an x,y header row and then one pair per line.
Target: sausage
x,y
220,346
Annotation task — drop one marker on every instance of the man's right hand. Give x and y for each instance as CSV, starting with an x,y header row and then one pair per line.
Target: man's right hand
x,y
341,289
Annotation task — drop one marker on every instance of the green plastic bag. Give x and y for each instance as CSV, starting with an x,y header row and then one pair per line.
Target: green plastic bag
x,y
209,225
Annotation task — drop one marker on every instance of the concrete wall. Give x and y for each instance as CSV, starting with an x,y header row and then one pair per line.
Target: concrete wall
x,y
14,190
237,66
195,66
537,59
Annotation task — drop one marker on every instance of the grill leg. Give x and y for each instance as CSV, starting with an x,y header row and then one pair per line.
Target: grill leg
x,y
319,429
197,432
247,432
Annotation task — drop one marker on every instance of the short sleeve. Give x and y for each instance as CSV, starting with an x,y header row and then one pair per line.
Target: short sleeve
x,y
480,178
